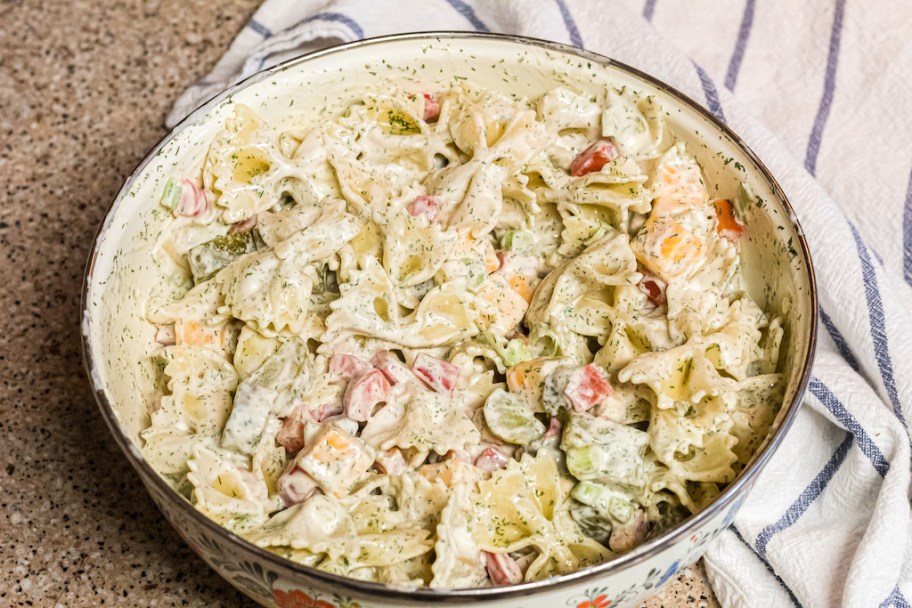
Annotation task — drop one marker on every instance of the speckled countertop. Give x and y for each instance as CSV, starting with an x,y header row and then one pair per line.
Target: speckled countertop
x,y
83,92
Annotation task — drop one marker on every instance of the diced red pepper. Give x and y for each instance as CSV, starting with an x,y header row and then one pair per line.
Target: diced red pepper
x,y
391,462
291,435
395,370
431,108
348,366
364,393
425,205
243,225
194,201
491,459
438,374
594,158
554,428
294,485
587,386
327,410
654,288
502,569
728,225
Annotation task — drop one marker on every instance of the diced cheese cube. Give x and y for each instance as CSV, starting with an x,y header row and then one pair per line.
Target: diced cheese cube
x,y
335,459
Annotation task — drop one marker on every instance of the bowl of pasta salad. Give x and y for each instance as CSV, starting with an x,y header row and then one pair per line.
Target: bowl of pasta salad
x,y
449,318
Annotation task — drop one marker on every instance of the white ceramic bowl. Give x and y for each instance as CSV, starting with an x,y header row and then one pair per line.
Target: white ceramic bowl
x,y
121,273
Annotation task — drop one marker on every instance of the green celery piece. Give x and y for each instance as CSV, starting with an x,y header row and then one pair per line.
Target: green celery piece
x,y
518,241
511,419
170,195
588,493
583,462
744,201
516,352
620,509
476,273
210,257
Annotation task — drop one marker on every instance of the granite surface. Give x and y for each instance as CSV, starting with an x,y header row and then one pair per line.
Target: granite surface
x,y
83,92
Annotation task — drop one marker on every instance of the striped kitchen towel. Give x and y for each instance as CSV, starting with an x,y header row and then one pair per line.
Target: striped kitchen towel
x,y
821,91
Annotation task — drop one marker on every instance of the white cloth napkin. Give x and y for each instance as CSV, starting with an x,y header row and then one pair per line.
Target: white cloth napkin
x,y
822,90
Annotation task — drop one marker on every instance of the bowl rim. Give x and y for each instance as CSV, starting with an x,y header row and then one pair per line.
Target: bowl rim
x,y
637,555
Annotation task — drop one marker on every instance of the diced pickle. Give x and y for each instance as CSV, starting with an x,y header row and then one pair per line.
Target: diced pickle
x,y
592,522
604,451
210,257
400,123
553,397
510,418
528,378
605,500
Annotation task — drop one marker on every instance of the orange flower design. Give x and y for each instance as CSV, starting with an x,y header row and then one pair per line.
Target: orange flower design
x,y
601,601
296,598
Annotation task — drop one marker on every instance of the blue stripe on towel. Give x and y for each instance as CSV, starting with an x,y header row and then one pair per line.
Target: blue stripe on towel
x,y
575,38
841,345
848,421
333,17
895,600
808,496
734,65
769,568
907,234
259,28
712,96
649,9
469,13
829,87
878,324
337,18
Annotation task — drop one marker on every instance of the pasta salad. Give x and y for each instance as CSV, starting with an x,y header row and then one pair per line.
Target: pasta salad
x,y
456,339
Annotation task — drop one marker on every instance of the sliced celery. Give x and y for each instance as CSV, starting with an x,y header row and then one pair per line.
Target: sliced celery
x,y
518,241
604,451
588,493
516,352
170,195
620,509
583,462
475,273
744,201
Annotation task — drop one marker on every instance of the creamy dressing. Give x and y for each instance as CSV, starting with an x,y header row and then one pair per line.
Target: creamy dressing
x,y
564,215
457,300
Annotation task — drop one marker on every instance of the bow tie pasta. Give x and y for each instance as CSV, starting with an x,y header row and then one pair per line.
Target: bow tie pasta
x,y
456,339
